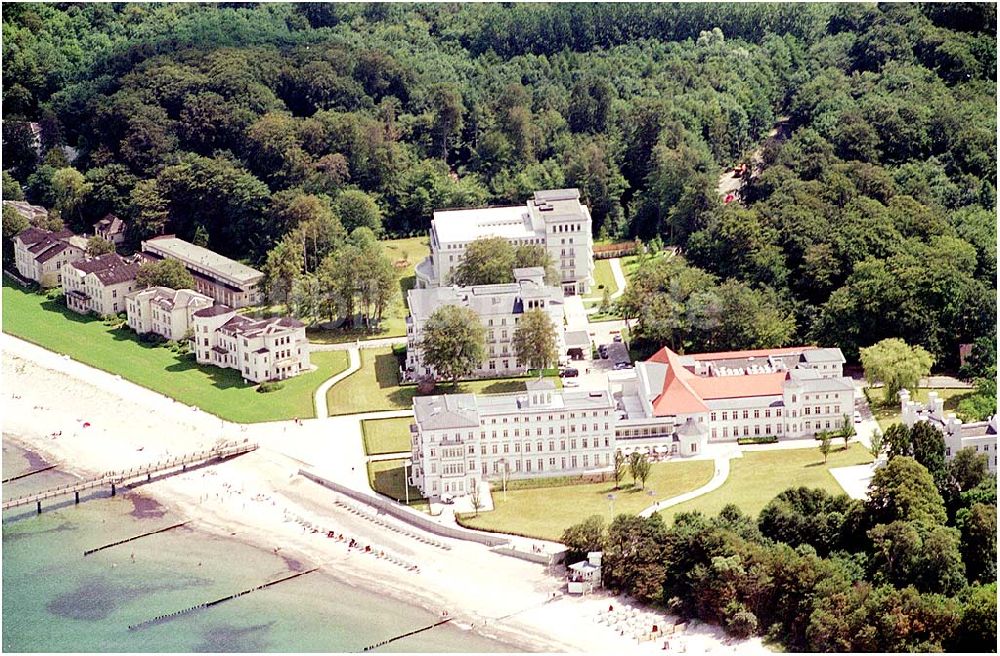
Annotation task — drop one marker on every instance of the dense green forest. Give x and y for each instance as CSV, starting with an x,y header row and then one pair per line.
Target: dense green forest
x,y
910,569
249,128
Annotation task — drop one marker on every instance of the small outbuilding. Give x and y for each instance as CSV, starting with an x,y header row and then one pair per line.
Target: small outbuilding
x,y
583,577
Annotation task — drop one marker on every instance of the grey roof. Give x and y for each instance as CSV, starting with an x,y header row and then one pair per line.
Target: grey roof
x,y
27,210
549,195
578,339
446,411
110,224
499,404
213,311
198,256
691,428
484,300
823,355
811,381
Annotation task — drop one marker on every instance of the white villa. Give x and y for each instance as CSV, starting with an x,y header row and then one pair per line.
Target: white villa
x,y
100,284
164,311
676,404
979,435
39,254
499,308
225,280
554,219
110,228
261,349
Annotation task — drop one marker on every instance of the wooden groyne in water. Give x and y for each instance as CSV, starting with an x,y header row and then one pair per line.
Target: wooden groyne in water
x,y
27,474
209,604
406,635
135,537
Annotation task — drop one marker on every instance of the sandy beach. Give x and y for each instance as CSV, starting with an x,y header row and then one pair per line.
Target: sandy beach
x,y
259,498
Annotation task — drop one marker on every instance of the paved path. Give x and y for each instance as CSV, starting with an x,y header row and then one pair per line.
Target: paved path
x,y
720,476
319,400
360,344
616,271
854,480
399,455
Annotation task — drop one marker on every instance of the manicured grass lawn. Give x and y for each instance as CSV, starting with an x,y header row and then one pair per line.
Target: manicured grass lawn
x,y
546,512
386,435
889,414
759,476
222,392
375,386
387,477
603,279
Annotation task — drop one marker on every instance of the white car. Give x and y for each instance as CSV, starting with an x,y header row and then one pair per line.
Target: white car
x,y
857,417
571,382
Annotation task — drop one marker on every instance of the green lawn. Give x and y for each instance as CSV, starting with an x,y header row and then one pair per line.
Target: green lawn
x,y
222,392
386,477
386,435
759,476
889,414
546,512
375,386
604,278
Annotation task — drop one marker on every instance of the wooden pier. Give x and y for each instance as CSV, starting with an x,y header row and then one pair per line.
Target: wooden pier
x,y
114,479
27,474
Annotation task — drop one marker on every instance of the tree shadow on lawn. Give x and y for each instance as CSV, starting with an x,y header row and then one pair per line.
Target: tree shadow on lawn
x,y
390,483
405,285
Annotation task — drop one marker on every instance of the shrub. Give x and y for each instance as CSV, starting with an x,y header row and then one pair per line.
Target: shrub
x,y
739,621
270,386
765,439
425,385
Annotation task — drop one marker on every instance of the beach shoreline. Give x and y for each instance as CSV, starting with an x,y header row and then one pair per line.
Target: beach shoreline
x,y
260,499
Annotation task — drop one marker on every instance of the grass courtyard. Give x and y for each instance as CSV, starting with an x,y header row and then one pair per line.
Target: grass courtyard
x,y
387,476
888,414
376,386
222,392
759,476
386,435
544,512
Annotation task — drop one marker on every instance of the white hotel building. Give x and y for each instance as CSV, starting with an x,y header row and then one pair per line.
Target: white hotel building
x,y
980,436
461,439
554,219
499,308
676,404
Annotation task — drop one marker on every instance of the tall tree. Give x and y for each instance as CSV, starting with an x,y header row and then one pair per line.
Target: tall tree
x,y
164,273
534,340
896,365
453,342
487,261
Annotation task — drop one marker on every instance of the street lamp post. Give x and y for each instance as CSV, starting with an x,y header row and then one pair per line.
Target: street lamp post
x,y
504,476
406,479
611,503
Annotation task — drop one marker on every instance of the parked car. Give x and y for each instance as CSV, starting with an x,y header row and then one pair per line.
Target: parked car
x,y
569,373
602,350
571,382
447,499
617,338
857,417
623,365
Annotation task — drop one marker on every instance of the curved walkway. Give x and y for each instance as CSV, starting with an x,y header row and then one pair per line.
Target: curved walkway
x,y
720,476
319,398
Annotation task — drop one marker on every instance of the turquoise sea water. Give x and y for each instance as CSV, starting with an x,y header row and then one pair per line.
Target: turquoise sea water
x,y
55,599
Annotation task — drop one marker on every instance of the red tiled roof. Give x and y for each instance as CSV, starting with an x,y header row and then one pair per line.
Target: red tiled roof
x,y
685,392
677,396
730,387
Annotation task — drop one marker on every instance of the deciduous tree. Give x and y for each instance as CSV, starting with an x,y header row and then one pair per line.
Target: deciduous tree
x,y
453,342
534,340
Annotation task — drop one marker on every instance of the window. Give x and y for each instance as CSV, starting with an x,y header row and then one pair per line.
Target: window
x,y
725,416
713,416
746,414
756,414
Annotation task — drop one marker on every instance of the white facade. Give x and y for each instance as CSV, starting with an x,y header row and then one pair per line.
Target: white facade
x,y
164,311
262,350
670,404
460,439
554,219
499,308
981,436
99,284
40,255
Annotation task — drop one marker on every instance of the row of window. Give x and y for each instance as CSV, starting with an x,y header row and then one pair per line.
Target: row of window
x,y
746,414
586,443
